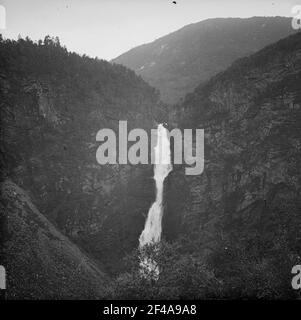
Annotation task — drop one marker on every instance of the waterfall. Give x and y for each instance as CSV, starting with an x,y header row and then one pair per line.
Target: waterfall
x,y
153,225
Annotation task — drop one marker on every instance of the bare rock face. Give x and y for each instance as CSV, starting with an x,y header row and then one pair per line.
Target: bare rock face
x,y
40,262
251,114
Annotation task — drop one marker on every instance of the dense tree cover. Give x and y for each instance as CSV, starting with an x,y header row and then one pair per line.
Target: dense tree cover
x,y
53,102
232,232
253,260
178,62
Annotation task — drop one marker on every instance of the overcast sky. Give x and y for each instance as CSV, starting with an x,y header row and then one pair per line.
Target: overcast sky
x,y
107,28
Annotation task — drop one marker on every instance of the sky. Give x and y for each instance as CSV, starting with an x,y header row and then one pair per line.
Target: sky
x,y
108,28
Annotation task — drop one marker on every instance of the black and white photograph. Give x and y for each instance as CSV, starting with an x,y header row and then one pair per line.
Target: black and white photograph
x,y
150,150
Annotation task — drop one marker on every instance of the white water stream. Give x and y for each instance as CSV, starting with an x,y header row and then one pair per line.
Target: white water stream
x,y
153,225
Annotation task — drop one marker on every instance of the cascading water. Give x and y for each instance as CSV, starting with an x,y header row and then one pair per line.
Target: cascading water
x,y
153,225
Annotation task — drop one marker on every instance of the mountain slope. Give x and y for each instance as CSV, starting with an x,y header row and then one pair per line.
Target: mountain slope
x,y
243,212
53,103
40,262
178,62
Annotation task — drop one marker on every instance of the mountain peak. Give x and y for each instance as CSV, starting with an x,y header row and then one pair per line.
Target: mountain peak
x,y
176,63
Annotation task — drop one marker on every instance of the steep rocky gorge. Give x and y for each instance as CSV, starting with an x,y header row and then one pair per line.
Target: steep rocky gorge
x,y
251,184
237,224
42,263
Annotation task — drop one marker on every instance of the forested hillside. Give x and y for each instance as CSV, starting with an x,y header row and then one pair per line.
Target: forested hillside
x,y
41,263
178,62
53,102
231,232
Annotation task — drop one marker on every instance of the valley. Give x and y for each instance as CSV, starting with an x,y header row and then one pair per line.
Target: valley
x,y
71,226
